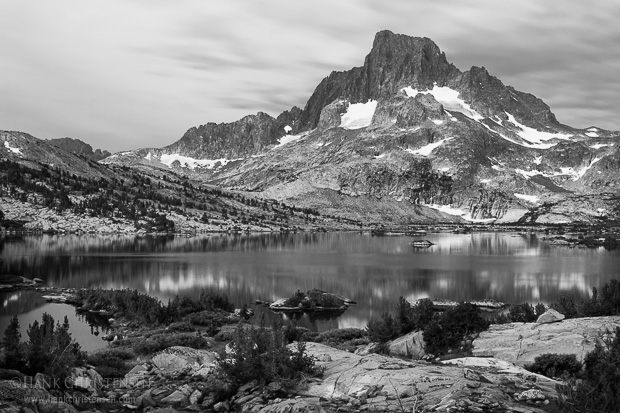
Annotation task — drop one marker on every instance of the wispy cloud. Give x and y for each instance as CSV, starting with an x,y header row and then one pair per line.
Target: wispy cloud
x,y
122,75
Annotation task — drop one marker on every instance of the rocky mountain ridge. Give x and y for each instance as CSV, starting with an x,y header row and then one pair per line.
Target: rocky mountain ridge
x,y
80,148
405,137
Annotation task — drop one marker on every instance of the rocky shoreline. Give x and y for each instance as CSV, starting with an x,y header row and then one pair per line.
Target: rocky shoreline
x,y
177,378
29,218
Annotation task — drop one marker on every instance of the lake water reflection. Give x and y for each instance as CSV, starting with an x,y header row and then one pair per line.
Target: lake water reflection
x,y
374,271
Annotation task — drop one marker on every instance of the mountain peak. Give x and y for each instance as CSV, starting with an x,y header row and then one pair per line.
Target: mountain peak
x,y
386,38
395,61
398,60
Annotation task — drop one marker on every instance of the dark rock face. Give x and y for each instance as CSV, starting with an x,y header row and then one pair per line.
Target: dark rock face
x,y
405,112
330,114
489,96
238,139
80,148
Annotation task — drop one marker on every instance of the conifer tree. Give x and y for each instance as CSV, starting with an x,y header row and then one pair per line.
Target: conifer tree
x,y
13,357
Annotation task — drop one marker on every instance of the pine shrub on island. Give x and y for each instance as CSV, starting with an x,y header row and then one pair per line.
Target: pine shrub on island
x,y
142,309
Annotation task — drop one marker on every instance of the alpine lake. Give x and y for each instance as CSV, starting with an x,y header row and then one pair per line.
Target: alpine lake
x,y
373,271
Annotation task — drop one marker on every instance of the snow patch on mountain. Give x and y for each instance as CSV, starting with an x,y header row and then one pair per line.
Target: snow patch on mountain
x,y
601,145
149,156
534,136
358,115
581,172
288,139
592,134
191,163
447,209
529,198
527,174
524,144
448,97
16,151
287,129
427,149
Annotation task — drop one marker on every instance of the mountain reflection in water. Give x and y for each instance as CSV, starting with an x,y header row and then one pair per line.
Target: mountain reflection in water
x,y
374,271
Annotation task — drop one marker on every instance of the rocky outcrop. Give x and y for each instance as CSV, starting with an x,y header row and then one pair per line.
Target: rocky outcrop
x,y
79,147
314,300
331,114
520,343
86,379
238,139
550,316
178,358
9,282
410,345
41,219
379,383
404,112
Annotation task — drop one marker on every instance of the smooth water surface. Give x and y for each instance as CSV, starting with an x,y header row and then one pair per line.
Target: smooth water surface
x,y
374,271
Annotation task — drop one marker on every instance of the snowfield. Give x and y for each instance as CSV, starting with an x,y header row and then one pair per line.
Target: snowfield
x,y
448,97
16,151
427,149
288,139
358,115
447,209
534,136
529,198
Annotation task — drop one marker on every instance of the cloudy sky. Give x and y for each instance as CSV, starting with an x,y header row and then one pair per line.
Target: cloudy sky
x,y
124,74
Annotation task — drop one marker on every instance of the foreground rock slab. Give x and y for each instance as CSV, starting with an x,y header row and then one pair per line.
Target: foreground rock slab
x,y
380,383
520,343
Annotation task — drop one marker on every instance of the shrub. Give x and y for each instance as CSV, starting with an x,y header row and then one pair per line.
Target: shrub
x,y
214,320
555,365
599,390
566,305
540,309
294,333
295,301
13,355
522,313
182,326
447,330
50,348
384,329
346,339
338,335
162,341
261,354
610,298
111,362
414,317
146,310
606,303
